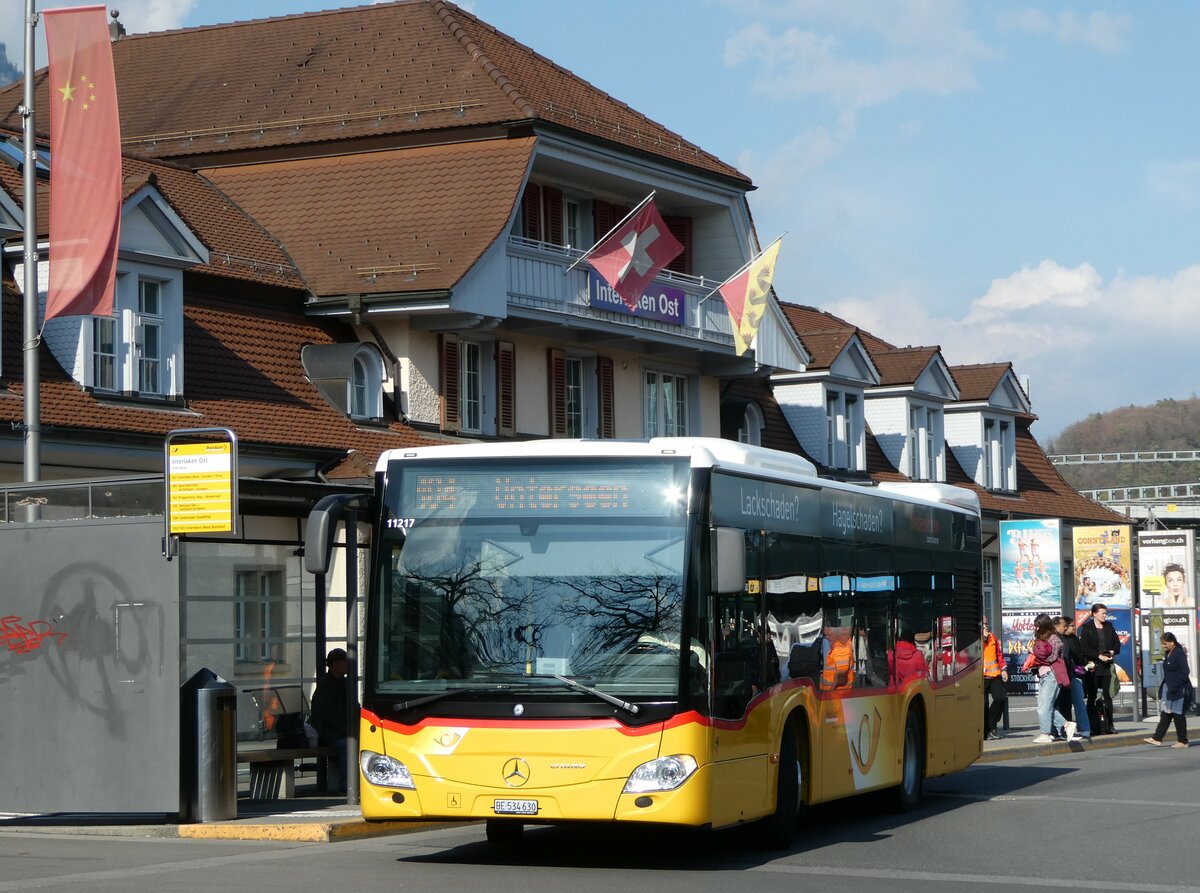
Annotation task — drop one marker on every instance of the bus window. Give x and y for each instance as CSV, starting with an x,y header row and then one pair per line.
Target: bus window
x,y
871,639
794,604
741,640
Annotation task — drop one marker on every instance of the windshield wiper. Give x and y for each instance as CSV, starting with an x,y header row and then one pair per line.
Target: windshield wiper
x,y
595,692
401,706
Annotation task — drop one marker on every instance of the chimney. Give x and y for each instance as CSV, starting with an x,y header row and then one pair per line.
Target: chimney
x,y
115,29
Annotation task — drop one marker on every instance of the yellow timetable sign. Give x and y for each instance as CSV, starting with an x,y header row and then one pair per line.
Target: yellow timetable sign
x,y
200,485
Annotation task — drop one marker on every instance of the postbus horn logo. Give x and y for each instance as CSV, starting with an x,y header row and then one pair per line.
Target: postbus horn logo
x,y
515,772
869,732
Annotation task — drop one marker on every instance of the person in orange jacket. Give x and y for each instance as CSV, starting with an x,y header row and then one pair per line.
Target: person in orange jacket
x,y
995,674
839,662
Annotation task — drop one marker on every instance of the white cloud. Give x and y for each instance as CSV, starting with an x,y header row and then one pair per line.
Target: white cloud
x,y
1088,346
1099,30
875,51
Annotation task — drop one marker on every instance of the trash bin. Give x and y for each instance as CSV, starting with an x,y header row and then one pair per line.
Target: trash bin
x,y
208,749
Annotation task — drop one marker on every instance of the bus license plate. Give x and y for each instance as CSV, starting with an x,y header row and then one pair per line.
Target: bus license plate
x,y
515,807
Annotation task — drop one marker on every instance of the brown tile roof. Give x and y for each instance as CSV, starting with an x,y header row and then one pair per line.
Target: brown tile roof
x,y
978,382
239,248
777,433
387,69
825,347
806,319
1042,492
243,372
435,207
903,365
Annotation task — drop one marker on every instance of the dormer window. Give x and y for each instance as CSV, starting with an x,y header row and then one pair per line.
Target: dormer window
x,y
136,351
844,430
924,443
999,455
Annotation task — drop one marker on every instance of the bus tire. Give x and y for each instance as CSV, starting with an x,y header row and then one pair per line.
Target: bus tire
x,y
780,826
505,832
907,795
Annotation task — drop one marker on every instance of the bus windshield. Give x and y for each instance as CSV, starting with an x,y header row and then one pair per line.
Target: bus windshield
x,y
512,575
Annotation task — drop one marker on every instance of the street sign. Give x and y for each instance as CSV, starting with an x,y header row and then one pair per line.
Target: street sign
x,y
201,478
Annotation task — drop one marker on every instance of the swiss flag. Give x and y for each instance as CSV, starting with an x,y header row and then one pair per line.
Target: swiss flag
x,y
633,255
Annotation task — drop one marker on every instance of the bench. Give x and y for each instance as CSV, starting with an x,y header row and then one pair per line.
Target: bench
x,y
273,770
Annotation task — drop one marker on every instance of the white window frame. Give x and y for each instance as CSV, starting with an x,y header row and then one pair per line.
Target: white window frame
x,y
999,454
103,361
845,429
576,397
259,612
666,399
752,426
149,320
925,442
471,387
364,397
572,222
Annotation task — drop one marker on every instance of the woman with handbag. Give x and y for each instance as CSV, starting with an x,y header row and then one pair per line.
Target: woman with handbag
x,y
1052,675
1171,693
1075,672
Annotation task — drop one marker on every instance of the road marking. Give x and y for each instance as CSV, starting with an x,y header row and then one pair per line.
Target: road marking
x,y
841,872
1053,798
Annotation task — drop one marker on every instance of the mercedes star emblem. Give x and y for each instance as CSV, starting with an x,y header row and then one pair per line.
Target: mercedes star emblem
x,y
515,772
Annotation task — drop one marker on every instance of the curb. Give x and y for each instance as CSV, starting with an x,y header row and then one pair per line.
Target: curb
x,y
1058,748
302,832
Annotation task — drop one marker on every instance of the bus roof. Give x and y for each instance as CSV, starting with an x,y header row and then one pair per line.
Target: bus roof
x,y
703,452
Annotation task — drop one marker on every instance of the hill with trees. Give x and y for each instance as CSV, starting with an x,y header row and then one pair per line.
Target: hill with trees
x,y
1167,425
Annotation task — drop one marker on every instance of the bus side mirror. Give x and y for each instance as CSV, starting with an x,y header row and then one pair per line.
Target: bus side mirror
x,y
321,527
728,560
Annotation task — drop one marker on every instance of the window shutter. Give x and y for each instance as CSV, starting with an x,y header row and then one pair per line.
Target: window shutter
x,y
554,215
531,208
602,218
449,369
604,394
506,389
558,392
681,229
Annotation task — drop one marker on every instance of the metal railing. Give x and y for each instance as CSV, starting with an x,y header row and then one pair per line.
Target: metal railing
x,y
1150,493
537,280
1124,457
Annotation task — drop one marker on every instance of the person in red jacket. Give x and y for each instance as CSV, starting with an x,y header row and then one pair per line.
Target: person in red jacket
x,y
906,661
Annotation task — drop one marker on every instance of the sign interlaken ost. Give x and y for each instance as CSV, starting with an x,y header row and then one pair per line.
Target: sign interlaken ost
x,y
202,483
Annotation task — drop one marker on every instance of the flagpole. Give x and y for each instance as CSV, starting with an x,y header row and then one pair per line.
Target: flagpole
x,y
743,268
29,346
639,207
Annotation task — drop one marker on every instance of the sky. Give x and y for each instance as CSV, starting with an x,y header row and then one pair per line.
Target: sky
x,y
1015,181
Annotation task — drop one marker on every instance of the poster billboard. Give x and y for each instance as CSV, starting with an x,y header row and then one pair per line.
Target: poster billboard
x,y
1017,642
1165,578
1103,566
1031,565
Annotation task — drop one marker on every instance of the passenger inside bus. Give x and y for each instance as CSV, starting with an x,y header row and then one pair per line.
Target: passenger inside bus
x,y
839,663
906,661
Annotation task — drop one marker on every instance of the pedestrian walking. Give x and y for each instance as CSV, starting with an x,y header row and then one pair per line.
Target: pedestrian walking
x,y
1098,645
1052,675
995,675
1173,693
1075,672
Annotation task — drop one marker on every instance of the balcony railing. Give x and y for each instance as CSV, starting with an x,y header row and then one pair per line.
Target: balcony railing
x,y
536,280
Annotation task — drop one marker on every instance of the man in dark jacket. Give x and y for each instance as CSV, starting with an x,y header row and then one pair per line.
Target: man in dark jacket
x,y
328,713
1098,645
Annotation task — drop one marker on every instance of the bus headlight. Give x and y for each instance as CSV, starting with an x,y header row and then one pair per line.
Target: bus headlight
x,y
380,769
663,774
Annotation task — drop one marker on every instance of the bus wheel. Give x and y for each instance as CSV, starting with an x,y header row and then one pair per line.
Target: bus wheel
x,y
907,794
505,832
781,825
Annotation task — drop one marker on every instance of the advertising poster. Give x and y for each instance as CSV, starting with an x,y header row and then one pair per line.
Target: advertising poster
x,y
1103,566
1017,642
1155,622
1031,565
1166,573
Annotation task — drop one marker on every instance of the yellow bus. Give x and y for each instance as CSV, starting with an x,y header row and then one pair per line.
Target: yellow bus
x,y
680,631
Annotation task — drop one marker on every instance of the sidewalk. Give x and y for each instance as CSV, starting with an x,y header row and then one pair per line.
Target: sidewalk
x,y
313,818
1017,741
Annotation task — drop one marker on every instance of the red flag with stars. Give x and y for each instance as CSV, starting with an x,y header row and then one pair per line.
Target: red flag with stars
x,y
634,253
85,163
